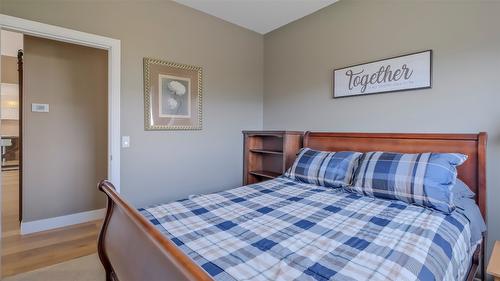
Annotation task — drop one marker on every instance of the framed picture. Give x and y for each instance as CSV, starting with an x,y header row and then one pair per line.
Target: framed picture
x,y
172,95
402,73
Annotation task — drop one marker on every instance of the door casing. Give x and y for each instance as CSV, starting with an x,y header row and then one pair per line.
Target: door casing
x,y
113,46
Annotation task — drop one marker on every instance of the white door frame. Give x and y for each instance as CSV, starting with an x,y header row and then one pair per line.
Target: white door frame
x,y
91,40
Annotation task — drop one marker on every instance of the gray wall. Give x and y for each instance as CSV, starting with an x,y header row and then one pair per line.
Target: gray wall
x,y
465,97
161,166
64,150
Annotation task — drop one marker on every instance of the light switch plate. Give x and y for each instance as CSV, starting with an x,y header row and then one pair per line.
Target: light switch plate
x,y
40,107
125,141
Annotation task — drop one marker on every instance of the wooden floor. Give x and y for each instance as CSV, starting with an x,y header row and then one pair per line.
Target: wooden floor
x,y
10,202
21,253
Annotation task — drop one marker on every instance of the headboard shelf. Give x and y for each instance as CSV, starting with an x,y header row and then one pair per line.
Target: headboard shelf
x,y
267,154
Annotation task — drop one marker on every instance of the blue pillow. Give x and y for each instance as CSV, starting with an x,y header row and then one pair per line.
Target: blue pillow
x,y
461,190
424,179
330,169
463,199
469,208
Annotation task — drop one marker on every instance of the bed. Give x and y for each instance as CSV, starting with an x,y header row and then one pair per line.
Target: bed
x,y
284,230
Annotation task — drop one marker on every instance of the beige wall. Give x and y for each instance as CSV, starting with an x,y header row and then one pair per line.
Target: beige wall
x,y
65,150
161,166
465,96
9,70
9,128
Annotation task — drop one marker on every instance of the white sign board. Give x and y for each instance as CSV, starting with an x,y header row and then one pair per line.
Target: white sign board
x,y
408,72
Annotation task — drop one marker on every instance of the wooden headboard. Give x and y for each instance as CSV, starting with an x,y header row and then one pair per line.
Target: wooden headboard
x,y
472,172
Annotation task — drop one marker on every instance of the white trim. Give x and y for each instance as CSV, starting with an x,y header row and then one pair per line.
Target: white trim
x,y
62,221
91,40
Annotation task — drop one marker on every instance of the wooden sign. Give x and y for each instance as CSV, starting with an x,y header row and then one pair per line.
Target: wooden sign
x,y
402,73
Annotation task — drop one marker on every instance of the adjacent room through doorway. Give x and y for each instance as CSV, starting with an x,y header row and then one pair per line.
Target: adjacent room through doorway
x,y
54,129
10,130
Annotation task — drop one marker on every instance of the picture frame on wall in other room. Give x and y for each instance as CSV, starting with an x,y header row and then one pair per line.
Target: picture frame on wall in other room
x,y
172,95
402,73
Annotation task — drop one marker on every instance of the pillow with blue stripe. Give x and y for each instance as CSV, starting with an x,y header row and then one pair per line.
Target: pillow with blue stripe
x,y
424,179
330,169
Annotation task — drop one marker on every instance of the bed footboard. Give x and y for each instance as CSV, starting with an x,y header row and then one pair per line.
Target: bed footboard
x,y
132,249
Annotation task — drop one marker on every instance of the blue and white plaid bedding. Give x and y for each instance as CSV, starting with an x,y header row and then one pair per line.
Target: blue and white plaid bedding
x,y
286,230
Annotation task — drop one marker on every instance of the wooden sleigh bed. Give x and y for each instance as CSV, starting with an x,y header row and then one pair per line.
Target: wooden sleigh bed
x,y
131,248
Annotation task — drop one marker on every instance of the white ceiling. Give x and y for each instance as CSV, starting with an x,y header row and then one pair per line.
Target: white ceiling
x,y
261,16
11,43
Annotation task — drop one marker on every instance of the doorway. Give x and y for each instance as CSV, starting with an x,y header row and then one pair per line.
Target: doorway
x,y
84,233
10,130
59,139
113,48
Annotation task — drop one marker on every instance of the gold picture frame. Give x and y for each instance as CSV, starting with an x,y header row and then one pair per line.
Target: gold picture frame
x,y
172,96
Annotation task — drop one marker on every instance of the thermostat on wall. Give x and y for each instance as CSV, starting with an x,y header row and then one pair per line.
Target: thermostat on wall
x,y
40,107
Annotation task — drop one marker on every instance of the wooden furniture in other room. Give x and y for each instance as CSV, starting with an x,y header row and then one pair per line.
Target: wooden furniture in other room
x,y
267,154
132,248
10,153
494,265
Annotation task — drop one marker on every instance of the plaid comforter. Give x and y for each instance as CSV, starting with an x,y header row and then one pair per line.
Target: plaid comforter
x,y
285,230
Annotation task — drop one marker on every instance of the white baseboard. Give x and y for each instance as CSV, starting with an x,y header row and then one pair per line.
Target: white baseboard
x,y
62,221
